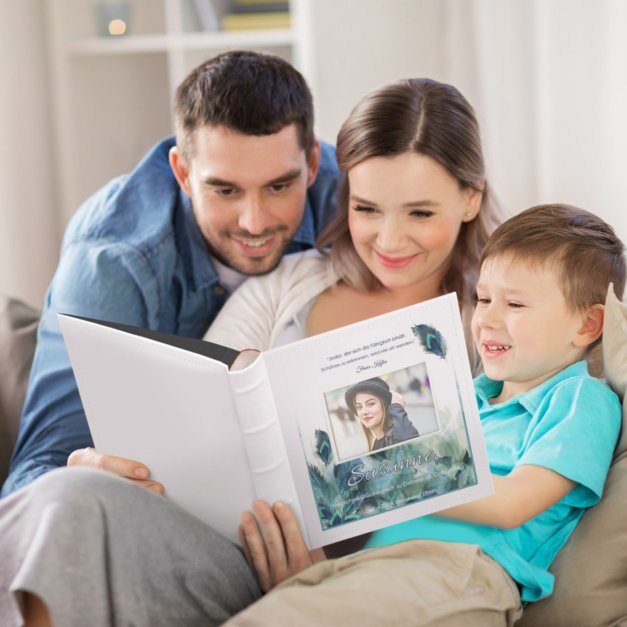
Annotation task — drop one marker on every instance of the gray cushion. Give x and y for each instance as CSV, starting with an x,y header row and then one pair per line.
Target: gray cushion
x,y
18,328
591,570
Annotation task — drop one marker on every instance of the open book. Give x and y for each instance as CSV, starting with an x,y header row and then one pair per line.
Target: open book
x,y
220,429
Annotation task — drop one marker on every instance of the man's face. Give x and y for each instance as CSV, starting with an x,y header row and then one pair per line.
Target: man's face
x,y
248,192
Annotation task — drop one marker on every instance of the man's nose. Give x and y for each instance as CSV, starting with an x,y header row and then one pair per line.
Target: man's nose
x,y
252,218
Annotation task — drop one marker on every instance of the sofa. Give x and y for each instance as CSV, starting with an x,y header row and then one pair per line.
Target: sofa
x,y
590,571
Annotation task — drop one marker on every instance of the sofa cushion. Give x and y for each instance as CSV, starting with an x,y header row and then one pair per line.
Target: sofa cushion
x,y
18,329
591,570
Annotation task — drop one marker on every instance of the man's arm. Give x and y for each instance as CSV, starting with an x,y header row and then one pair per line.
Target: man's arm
x,y
95,279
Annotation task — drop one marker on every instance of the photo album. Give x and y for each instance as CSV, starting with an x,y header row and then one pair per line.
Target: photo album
x,y
355,429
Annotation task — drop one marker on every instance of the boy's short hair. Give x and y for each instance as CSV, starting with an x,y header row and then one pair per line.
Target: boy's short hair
x,y
582,247
249,92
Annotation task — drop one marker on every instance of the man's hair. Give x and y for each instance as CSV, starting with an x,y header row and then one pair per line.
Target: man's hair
x,y
424,117
248,92
584,250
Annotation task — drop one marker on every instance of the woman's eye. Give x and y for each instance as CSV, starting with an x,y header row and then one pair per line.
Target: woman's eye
x,y
421,213
364,209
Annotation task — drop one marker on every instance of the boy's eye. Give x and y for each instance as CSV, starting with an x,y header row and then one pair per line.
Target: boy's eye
x,y
482,300
515,305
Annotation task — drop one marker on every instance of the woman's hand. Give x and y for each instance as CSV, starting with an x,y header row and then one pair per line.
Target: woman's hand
x,y
273,543
128,468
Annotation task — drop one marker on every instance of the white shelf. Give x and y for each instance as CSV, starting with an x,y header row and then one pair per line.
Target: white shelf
x,y
113,95
189,41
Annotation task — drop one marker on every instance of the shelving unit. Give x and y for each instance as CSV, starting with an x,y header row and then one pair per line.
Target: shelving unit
x,y
113,95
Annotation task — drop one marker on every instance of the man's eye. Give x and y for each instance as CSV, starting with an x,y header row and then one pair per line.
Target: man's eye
x,y
279,187
226,191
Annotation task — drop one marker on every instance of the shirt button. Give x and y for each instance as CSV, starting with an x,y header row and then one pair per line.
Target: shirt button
x,y
218,289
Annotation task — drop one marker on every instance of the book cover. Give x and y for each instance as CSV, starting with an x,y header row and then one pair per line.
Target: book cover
x,y
219,431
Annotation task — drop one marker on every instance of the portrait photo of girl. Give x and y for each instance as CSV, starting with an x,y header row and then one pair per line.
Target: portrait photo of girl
x,y
379,412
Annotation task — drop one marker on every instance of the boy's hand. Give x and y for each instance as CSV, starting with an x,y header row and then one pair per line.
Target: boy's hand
x,y
273,543
128,468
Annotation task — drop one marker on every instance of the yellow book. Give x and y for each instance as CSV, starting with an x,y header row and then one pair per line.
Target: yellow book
x,y
242,21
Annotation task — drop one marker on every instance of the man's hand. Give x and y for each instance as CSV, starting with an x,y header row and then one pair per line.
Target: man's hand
x,y
121,466
273,543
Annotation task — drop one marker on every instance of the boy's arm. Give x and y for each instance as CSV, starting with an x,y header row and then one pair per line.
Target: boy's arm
x,y
523,494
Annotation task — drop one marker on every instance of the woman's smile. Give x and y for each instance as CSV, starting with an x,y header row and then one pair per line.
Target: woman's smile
x,y
395,262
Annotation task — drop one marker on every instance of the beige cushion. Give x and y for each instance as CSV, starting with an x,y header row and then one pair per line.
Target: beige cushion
x,y
18,328
591,570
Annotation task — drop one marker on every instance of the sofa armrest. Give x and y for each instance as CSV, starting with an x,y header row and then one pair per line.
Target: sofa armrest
x,y
18,331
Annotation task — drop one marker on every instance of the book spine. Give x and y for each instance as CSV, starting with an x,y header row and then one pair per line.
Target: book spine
x,y
263,439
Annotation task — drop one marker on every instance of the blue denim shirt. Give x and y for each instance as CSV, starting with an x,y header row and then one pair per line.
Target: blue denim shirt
x,y
133,253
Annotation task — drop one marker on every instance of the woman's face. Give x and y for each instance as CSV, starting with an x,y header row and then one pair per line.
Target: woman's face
x,y
370,411
405,213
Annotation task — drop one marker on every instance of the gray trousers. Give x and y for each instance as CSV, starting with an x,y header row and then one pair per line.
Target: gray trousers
x,y
101,551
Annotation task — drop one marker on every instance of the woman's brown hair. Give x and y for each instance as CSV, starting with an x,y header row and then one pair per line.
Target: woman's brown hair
x,y
420,116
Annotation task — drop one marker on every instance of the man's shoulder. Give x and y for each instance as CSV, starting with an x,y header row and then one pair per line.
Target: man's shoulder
x,y
136,208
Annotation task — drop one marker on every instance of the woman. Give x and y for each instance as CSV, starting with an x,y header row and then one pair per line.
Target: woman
x,y
384,422
414,213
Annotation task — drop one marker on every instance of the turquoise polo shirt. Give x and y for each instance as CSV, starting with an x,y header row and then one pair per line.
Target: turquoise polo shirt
x,y
569,424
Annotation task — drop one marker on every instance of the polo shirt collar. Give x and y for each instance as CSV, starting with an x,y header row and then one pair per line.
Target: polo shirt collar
x,y
487,388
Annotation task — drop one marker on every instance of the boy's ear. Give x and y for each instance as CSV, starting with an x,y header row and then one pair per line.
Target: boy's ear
x,y
592,326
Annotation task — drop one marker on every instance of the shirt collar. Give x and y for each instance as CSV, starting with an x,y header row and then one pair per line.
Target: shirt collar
x,y
486,388
306,233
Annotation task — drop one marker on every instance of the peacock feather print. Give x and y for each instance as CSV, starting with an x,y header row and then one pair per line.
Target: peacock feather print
x,y
430,339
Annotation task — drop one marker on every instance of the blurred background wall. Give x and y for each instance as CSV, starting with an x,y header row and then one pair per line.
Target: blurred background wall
x,y
548,79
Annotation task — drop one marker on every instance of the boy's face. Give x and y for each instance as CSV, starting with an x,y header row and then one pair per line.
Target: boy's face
x,y
522,326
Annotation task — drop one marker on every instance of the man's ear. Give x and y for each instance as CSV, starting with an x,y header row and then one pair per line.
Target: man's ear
x,y
592,326
179,168
313,163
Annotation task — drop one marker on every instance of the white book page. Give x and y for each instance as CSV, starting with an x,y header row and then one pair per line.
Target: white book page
x,y
168,408
344,489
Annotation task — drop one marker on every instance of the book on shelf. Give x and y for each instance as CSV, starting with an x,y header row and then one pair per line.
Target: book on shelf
x,y
264,20
221,428
206,15
260,7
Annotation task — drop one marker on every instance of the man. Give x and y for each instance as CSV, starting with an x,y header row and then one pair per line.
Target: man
x,y
162,247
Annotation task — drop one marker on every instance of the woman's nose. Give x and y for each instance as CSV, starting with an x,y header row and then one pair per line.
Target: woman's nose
x,y
390,237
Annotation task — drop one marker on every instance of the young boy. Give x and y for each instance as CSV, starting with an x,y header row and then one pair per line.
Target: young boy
x,y
550,430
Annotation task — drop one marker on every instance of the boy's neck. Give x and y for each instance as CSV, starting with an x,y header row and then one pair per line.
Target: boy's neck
x,y
511,389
